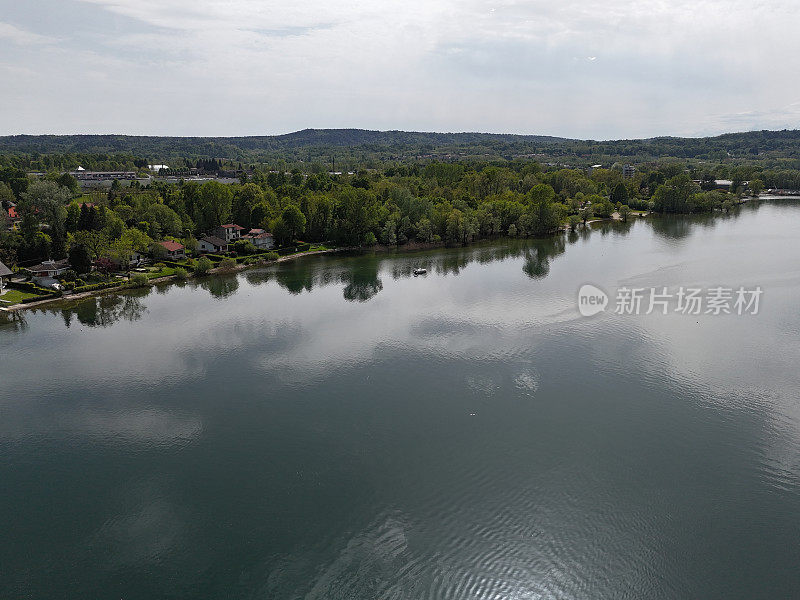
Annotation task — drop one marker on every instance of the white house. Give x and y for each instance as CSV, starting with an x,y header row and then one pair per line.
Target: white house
x,y
211,243
230,232
261,239
45,274
5,273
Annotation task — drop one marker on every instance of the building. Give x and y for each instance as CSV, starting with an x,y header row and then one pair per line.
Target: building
x,y
83,175
175,251
211,243
229,233
49,268
13,216
628,171
44,274
261,239
5,275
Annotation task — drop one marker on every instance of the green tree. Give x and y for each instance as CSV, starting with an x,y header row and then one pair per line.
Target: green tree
x,y
212,206
294,220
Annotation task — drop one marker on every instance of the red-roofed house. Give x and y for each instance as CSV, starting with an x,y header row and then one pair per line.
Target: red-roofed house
x,y
175,251
13,216
229,233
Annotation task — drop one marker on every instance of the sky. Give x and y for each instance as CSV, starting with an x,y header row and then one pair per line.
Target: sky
x,y
572,68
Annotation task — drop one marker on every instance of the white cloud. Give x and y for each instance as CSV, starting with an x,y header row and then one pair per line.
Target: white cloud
x,y
17,35
616,69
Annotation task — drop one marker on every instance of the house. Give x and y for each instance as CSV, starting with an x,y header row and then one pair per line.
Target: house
x,y
44,274
211,243
13,216
5,274
261,239
175,251
49,268
229,233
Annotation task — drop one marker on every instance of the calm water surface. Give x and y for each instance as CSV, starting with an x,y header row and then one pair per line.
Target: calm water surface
x,y
336,428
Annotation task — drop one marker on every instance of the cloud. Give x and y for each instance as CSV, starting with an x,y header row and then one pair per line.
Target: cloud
x,y
20,36
620,69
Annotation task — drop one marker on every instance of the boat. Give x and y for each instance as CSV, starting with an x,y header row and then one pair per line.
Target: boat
x,y
420,271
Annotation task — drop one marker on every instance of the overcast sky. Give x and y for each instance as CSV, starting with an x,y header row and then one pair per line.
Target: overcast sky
x,y
575,68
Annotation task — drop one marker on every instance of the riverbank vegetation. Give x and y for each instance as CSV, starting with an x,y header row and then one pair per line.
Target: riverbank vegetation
x,y
433,203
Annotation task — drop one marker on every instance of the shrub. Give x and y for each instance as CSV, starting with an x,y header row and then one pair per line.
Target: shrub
x,y
227,264
139,280
203,265
181,273
243,247
96,286
160,266
69,276
272,256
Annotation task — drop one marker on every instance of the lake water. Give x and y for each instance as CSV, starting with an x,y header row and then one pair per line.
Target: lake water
x,y
335,428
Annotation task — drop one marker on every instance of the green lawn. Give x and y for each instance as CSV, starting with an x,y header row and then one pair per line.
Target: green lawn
x,y
165,272
14,297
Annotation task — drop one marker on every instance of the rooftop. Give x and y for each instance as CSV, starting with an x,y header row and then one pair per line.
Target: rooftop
x,y
214,240
171,246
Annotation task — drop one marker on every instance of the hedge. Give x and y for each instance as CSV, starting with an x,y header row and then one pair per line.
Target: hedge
x,y
30,287
40,298
97,286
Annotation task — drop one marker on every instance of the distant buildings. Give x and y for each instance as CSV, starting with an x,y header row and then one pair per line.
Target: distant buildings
x,y
82,174
628,171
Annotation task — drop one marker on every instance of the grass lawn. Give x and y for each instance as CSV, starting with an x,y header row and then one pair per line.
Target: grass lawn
x,y
14,297
165,272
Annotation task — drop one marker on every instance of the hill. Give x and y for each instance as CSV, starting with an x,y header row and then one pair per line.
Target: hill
x,y
365,145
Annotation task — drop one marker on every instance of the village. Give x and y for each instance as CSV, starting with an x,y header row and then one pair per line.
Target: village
x,y
222,248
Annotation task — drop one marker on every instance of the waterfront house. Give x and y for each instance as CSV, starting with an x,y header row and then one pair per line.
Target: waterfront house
x,y
49,268
175,251
5,275
44,274
230,232
261,239
211,243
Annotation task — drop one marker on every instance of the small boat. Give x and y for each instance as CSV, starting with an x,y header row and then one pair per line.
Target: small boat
x,y
420,271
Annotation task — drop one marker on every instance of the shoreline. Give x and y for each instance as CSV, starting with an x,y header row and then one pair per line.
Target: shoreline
x,y
167,279
409,247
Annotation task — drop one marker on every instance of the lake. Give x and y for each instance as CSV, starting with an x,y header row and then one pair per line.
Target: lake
x,y
336,428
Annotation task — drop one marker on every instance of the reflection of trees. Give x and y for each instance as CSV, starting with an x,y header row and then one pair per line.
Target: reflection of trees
x,y
257,276
220,286
13,321
616,227
295,276
103,311
677,227
538,257
362,281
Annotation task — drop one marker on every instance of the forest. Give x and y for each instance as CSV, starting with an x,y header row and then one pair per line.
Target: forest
x,y
452,203
350,149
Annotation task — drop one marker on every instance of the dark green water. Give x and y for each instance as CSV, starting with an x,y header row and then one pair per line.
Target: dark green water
x,y
338,429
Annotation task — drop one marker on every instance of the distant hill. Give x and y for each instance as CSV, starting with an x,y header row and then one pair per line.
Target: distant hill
x,y
320,144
